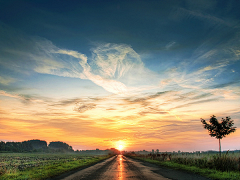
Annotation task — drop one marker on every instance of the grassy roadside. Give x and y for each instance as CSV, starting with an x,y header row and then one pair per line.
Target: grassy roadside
x,y
210,173
52,169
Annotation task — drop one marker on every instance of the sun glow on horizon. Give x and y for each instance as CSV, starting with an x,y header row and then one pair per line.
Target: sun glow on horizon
x,y
120,145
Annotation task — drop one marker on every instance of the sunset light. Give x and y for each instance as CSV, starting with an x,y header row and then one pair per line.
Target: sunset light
x,y
129,75
120,145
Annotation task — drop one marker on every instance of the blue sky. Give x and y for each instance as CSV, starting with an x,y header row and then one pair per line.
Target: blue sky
x,y
103,73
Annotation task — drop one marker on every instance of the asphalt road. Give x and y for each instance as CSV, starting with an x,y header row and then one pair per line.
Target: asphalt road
x,y
120,167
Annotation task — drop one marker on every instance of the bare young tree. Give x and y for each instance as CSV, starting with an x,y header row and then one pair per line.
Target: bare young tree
x,y
219,129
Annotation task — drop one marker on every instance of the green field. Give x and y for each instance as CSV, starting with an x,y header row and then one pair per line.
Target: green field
x,y
226,167
42,165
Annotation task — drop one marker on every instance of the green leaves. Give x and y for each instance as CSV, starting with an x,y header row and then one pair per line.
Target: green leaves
x,y
219,129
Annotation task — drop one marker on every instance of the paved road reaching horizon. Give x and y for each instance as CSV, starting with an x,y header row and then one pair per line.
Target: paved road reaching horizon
x,y
120,167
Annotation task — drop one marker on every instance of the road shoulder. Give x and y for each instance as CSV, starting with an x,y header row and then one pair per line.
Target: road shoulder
x,y
68,173
174,174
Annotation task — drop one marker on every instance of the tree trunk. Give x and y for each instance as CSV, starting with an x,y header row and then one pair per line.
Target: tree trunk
x,y
220,147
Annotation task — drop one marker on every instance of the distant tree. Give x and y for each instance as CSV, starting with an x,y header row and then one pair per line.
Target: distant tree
x,y
34,145
38,144
27,146
59,146
2,146
219,129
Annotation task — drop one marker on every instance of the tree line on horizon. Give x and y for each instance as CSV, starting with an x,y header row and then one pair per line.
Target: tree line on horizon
x,y
35,145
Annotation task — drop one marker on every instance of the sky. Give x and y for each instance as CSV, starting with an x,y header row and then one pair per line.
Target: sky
x,y
108,74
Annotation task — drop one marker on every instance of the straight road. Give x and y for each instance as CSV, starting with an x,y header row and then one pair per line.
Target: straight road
x,y
120,167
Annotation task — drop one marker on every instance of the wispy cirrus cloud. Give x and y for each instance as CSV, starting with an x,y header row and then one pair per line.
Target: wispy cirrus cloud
x,y
223,85
67,102
81,107
6,80
114,60
152,110
117,68
197,102
17,96
200,11
109,66
144,100
24,98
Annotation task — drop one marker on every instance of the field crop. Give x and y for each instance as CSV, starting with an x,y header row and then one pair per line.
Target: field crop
x,y
41,166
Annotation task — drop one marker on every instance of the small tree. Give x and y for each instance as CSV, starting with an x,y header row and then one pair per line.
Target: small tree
x,y
219,130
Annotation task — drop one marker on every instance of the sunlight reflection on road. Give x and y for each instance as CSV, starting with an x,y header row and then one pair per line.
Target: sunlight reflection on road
x,y
120,167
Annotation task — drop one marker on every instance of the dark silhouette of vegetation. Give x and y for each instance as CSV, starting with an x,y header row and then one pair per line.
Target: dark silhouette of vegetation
x,y
60,146
37,145
219,129
34,145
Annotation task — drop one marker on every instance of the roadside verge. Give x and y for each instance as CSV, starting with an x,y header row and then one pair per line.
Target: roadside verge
x,y
209,173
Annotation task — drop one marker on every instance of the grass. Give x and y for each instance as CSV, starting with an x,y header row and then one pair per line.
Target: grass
x,y
42,166
226,162
204,171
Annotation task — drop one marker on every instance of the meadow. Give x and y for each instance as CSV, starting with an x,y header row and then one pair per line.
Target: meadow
x,y
226,166
42,165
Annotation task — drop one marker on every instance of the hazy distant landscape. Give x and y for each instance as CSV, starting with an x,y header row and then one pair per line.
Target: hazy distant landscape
x,y
34,159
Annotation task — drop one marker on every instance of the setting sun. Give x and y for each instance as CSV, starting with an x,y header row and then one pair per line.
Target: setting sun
x,y
120,145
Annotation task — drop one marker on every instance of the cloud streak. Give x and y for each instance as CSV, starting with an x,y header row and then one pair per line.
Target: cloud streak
x,y
81,108
117,68
6,80
108,65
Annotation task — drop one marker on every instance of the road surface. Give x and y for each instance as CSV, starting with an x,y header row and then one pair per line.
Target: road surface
x,y
120,167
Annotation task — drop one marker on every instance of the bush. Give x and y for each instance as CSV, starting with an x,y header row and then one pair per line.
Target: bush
x,y
224,163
